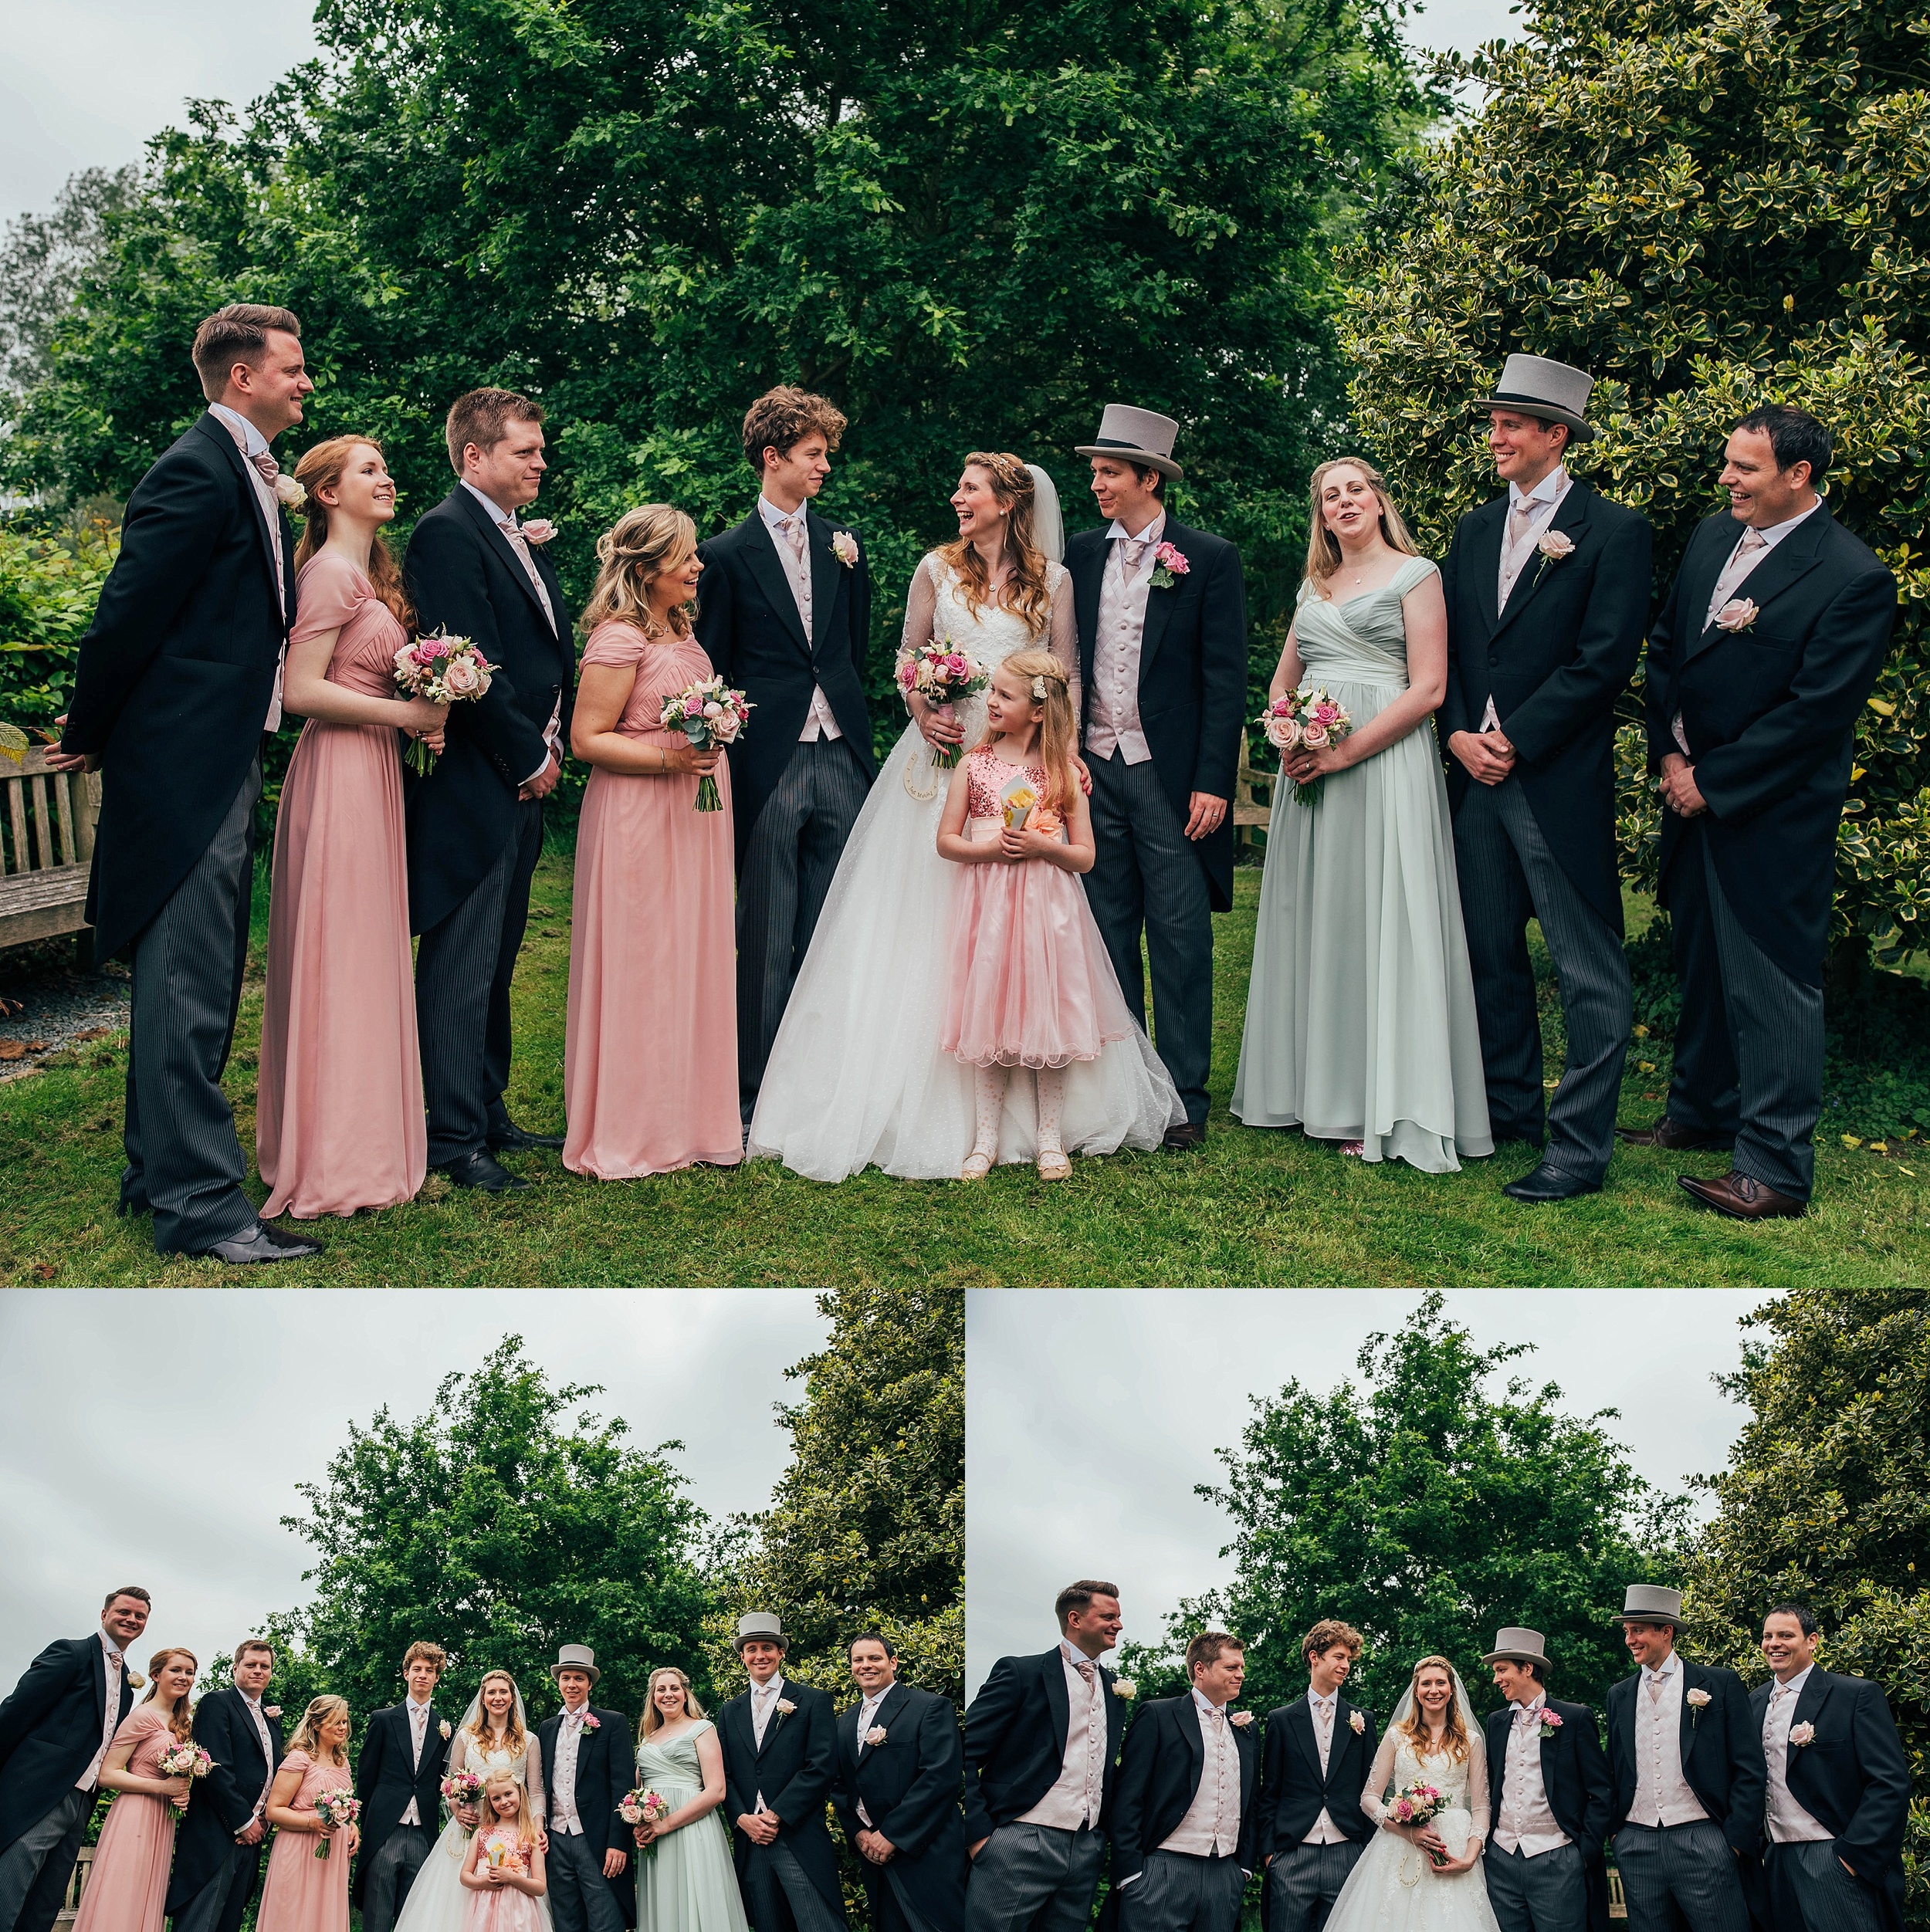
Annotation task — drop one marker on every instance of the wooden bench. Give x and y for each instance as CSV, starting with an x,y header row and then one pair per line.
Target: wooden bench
x,y
1249,815
76,1885
46,845
1617,1905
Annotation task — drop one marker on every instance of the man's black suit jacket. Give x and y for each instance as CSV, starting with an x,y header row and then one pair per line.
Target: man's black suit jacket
x,y
465,578
1014,1738
795,1771
224,1801
1554,662
1770,715
748,624
605,1764
909,1786
1575,1778
1160,1771
1193,676
49,1728
1721,1748
176,673
386,1778
1293,1793
1852,1777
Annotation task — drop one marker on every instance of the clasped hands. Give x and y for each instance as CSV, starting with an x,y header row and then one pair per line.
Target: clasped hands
x,y
876,1847
760,1827
1679,790
1487,756
1430,1841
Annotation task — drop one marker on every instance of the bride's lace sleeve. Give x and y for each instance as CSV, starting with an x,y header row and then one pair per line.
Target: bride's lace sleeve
x,y
1064,642
1380,1777
533,1774
921,606
1477,1783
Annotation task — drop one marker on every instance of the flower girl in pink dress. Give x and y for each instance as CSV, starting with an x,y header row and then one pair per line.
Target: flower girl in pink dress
x,y
1031,984
504,1868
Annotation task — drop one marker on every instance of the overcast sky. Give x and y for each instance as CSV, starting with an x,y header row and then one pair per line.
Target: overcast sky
x,y
265,1383
86,83
1090,1416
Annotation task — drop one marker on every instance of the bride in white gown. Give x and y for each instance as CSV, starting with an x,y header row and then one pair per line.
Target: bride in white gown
x,y
1395,1885
493,1740
856,1078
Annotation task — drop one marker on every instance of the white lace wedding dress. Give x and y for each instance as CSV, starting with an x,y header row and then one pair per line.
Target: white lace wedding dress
x,y
855,1078
438,1901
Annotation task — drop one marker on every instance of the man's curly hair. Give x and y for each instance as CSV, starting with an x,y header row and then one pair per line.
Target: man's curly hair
x,y
782,417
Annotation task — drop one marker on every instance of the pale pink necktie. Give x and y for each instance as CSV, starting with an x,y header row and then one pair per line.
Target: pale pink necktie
x,y
1655,1691
1519,516
1740,562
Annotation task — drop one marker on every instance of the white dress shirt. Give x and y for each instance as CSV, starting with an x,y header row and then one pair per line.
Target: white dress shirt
x,y
1073,1799
867,1714
419,1717
268,1751
110,1714
1324,1709
1735,572
1113,713
252,443
562,1774
1211,1827
819,721
1527,1824
512,533
1662,1794
763,1703
1541,503
1787,1821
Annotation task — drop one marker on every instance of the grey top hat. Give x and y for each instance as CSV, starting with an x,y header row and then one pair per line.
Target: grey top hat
x,y
1554,391
1650,1603
1137,436
1516,1645
761,1624
576,1656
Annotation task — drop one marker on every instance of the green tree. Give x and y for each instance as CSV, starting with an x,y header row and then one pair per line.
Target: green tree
x,y
1427,1510
1708,206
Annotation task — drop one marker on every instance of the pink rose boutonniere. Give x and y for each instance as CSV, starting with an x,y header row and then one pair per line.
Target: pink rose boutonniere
x,y
785,1706
538,530
844,546
1551,1722
1553,545
1242,1718
1168,565
271,1710
1800,1734
875,1736
591,1721
1738,614
1356,1723
447,1733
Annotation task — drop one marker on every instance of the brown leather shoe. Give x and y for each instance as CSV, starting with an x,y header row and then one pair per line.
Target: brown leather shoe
x,y
1742,1198
1672,1134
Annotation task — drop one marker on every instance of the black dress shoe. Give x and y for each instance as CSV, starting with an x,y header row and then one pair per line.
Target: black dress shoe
x,y
479,1170
1548,1183
1672,1134
507,1137
261,1243
1189,1133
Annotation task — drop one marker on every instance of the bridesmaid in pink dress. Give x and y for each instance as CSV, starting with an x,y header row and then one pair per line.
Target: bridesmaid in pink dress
x,y
128,1890
650,1066
304,1892
339,1123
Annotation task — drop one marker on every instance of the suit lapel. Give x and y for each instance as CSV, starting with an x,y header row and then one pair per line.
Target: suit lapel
x,y
824,568
1686,1727
760,552
886,1712
493,534
1791,560
1300,1728
1809,1705
1087,572
1187,1718
1484,559
1570,519
281,577
1159,605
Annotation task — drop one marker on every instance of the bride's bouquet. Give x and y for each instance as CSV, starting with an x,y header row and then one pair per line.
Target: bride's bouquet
x,y
1418,1803
186,1760
707,713
645,1807
942,675
1306,719
462,1787
336,1809
446,671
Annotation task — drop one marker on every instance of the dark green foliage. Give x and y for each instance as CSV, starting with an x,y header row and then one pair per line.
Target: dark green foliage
x,y
50,580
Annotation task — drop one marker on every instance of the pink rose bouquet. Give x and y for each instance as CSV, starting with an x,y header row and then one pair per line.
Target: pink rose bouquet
x,y
462,1787
1306,718
336,1809
446,671
1415,1805
708,713
643,1806
186,1760
941,674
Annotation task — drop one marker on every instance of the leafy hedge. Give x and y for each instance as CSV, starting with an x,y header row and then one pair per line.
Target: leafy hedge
x,y
49,582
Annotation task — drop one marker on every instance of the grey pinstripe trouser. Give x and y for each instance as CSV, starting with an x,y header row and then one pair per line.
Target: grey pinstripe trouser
x,y
1810,1892
1548,1893
1033,1878
1184,1892
1675,1877
781,1896
1303,1882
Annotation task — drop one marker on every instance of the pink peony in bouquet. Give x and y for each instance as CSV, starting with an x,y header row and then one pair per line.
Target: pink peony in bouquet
x,y
708,713
1306,718
645,1807
1417,1804
941,674
186,1760
335,1808
446,671
462,1787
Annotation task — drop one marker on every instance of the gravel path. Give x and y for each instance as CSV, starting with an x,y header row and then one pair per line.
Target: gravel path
x,y
47,1008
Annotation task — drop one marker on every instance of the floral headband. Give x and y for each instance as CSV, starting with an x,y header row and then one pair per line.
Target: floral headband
x,y
1038,691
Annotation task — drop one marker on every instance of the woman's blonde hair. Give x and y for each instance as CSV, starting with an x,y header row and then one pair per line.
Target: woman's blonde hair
x,y
1415,1727
511,1727
525,1817
321,468
652,1719
308,1734
180,1719
1026,593
1058,737
637,549
1323,547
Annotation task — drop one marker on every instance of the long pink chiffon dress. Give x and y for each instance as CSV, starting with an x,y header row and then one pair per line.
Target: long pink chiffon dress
x,y
339,1122
650,1061
303,1893
128,1890
1031,983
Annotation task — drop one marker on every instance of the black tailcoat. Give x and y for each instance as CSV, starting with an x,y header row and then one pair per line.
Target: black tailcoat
x,y
224,1800
1014,1738
794,1771
605,1772
1575,1778
51,1727
1293,1793
1193,676
748,624
1852,1777
909,1786
1770,715
177,671
1554,662
465,578
1160,1767
1721,1746
386,1779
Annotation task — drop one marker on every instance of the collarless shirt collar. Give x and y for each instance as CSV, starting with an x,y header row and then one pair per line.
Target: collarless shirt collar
x,y
252,441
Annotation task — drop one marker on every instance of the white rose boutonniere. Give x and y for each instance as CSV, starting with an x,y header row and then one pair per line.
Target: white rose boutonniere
x,y
1738,614
785,1706
289,494
875,1736
1242,1718
844,546
448,1732
1356,1723
1554,545
1696,1700
538,530
135,1679
1125,1690
1800,1734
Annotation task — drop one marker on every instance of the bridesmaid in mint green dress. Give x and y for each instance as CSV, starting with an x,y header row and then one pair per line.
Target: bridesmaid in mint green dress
x,y
686,1880
1360,1024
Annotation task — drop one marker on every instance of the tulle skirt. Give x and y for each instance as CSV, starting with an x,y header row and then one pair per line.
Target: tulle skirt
x,y
1393,1887
439,1901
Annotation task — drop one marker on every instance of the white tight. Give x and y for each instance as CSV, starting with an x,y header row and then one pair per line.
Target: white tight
x,y
988,1091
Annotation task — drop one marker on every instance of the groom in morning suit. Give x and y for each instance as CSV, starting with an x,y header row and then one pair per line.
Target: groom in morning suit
x,y
784,613
1309,1829
1686,1774
587,1757
1162,614
1838,1790
178,677
1182,1822
1547,590
1548,1795
475,821
218,1849
54,1730
1759,666
780,1745
398,1778
1041,1739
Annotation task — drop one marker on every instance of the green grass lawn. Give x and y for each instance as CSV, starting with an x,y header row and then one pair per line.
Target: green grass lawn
x,y
1253,1207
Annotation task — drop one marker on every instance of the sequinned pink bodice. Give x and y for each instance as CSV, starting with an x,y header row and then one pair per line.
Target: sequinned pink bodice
x,y
986,776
